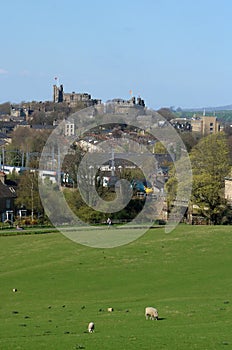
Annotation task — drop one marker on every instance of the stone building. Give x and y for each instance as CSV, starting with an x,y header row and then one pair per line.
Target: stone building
x,y
72,99
121,106
7,197
205,125
69,128
228,189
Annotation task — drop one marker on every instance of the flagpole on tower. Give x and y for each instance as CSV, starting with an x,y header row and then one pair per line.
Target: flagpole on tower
x,y
57,81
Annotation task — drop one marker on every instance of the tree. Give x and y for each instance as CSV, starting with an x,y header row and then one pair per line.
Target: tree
x,y
132,174
26,146
72,160
39,117
166,113
159,148
210,165
178,187
189,139
5,108
28,193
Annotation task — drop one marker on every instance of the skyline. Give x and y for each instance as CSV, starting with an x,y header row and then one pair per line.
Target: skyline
x,y
170,53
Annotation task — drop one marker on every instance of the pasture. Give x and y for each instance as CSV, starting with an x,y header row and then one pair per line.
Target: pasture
x,y
62,286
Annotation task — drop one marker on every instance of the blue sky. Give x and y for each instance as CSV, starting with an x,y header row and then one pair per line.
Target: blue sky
x,y
170,52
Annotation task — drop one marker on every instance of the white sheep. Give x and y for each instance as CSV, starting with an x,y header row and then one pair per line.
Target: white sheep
x,y
151,312
91,327
15,290
110,309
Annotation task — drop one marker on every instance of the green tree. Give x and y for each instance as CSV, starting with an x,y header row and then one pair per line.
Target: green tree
x,y
28,193
26,146
72,161
210,165
132,174
178,182
159,148
190,139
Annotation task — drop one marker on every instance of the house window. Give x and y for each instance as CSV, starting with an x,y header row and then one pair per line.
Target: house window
x,y
8,203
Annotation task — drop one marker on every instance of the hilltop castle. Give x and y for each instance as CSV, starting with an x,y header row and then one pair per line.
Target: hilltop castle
x,y
72,99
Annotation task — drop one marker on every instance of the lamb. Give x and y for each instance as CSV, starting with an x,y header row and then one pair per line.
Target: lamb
x,y
152,313
91,327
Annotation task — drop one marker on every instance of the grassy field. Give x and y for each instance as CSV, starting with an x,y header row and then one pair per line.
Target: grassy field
x,y
62,286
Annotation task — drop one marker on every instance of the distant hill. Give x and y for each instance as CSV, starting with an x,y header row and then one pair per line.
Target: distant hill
x,y
208,109
223,113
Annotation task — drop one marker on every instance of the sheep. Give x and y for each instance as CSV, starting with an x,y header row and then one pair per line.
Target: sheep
x,y
110,309
15,290
152,313
91,327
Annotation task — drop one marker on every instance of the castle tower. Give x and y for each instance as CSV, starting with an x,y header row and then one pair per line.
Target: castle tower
x,y
58,93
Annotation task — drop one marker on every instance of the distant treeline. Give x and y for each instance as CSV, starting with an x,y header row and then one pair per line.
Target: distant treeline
x,y
225,116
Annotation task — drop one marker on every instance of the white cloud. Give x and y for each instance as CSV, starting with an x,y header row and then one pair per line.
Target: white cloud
x,y
3,71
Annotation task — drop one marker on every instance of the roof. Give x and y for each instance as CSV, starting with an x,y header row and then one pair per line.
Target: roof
x,y
9,124
42,127
3,135
2,142
7,191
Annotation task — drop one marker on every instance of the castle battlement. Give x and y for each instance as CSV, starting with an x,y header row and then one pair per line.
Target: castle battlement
x,y
72,99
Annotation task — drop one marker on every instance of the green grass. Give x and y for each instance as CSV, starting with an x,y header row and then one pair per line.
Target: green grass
x,y
26,231
62,286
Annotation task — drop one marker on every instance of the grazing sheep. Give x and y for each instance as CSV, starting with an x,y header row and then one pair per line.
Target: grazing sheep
x,y
91,327
110,309
151,312
14,289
